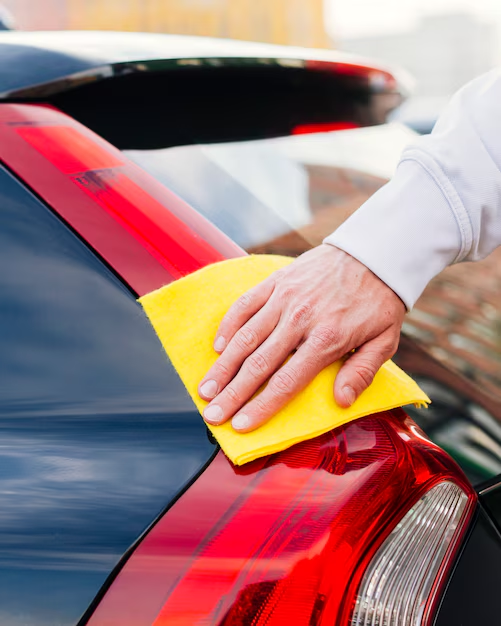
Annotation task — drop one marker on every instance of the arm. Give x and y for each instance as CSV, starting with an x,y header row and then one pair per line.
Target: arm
x,y
442,206
444,203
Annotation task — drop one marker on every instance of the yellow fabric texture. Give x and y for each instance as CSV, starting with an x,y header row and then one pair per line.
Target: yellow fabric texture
x,y
186,315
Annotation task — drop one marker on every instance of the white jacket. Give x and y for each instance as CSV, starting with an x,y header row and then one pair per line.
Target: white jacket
x,y
443,205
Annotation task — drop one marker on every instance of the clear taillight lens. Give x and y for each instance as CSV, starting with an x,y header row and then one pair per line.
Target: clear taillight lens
x,y
397,587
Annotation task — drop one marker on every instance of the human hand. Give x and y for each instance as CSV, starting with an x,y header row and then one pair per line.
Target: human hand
x,y
323,305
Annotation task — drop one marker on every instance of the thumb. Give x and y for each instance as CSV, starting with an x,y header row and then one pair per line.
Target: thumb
x,y
358,371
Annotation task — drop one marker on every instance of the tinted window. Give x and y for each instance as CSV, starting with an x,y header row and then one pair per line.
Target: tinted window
x,y
284,195
280,195
97,434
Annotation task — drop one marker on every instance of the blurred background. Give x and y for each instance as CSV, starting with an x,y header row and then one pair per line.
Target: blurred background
x,y
443,43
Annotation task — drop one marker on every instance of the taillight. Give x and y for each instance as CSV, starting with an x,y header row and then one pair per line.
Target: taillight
x,y
397,587
296,538
147,234
377,79
307,129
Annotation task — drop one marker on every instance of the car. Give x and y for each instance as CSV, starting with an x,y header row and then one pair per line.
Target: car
x,y
131,160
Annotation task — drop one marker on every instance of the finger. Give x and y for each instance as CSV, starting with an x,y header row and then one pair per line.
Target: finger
x,y
241,312
358,371
255,371
286,383
244,342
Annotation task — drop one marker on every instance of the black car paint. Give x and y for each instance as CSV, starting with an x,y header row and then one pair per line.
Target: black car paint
x,y
490,496
472,594
97,433
39,64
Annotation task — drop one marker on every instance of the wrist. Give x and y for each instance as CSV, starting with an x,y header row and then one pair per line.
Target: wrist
x,y
405,234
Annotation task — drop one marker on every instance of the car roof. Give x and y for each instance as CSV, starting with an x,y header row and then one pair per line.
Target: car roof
x,y
37,58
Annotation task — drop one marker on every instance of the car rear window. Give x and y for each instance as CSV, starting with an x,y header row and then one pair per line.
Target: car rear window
x,y
284,195
280,195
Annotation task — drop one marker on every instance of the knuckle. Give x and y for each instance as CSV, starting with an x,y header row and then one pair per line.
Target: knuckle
x,y
257,365
246,338
233,395
238,310
244,301
260,407
389,348
220,370
278,275
283,383
287,293
394,346
389,351
365,373
313,362
324,339
301,314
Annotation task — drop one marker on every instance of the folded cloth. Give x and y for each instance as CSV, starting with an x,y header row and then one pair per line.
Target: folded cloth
x,y
186,315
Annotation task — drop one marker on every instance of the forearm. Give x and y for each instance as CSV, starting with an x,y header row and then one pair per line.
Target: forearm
x,y
443,205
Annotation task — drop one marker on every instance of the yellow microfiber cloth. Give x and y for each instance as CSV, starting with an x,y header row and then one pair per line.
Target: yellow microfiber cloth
x,y
186,315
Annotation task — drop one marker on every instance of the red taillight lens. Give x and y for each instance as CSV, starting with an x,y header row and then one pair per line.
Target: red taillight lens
x,y
308,129
109,179
377,79
147,234
284,540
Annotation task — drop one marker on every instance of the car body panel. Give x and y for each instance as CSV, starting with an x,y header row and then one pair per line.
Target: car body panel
x,y
57,58
490,496
97,433
472,595
145,91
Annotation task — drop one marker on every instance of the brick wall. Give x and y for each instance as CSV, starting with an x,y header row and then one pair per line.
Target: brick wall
x,y
458,317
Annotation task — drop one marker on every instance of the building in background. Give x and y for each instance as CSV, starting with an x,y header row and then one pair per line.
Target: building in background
x,y
442,53
296,22
38,14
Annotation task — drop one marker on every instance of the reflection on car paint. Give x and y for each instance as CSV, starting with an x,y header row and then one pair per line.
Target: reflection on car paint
x,y
97,433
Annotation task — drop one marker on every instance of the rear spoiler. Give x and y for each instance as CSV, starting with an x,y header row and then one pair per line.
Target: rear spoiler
x,y
260,92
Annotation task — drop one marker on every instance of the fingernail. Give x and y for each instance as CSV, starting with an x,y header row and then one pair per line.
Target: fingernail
x,y
349,394
220,344
213,414
209,389
240,421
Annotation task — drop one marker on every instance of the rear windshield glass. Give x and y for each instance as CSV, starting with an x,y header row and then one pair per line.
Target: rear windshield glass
x,y
283,196
280,195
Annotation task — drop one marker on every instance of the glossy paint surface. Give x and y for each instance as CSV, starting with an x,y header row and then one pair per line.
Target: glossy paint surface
x,y
472,597
97,434
284,539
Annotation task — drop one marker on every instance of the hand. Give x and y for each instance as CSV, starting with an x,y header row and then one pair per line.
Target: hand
x,y
323,305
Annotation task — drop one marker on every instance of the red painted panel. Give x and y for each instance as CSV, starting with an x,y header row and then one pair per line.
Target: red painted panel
x,y
146,233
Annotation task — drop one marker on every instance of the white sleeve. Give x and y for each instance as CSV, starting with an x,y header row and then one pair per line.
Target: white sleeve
x,y
443,204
